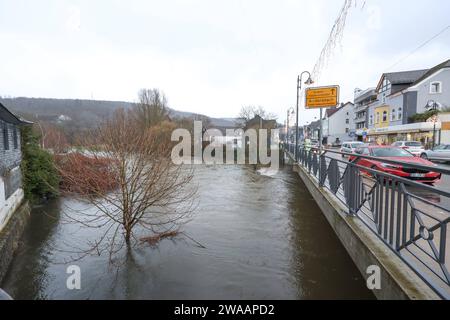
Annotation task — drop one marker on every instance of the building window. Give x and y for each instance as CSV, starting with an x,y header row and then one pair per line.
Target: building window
x,y
377,118
400,114
383,99
371,119
16,138
347,130
5,136
384,116
386,85
436,87
393,115
347,121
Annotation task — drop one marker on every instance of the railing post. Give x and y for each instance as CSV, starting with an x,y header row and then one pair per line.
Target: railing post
x,y
322,170
352,195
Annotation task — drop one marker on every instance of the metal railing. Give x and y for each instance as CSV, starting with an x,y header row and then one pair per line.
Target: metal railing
x,y
409,217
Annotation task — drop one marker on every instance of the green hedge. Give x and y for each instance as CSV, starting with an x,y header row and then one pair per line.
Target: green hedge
x,y
40,177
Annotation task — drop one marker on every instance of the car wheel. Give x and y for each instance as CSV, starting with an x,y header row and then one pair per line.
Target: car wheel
x,y
424,156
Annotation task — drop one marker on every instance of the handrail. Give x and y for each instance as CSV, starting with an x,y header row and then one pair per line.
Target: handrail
x,y
395,209
436,168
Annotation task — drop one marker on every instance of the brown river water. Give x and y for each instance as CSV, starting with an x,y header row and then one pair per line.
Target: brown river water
x,y
264,238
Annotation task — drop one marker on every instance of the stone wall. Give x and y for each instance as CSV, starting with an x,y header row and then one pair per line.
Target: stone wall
x,y
10,236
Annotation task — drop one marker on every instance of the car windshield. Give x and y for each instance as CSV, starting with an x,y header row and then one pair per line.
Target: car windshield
x,y
390,152
413,144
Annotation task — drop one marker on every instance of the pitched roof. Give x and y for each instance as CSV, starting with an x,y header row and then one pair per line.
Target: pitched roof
x,y
445,64
404,77
401,78
257,120
331,111
10,117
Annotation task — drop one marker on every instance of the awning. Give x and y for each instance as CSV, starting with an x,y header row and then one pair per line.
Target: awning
x,y
405,128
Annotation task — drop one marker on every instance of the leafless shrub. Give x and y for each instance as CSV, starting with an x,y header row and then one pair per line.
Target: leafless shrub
x,y
131,182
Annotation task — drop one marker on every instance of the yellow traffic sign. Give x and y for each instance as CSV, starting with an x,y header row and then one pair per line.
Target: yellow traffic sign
x,y
321,97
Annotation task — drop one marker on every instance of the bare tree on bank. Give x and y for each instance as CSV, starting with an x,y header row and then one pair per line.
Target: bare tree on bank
x,y
52,137
151,108
249,112
127,174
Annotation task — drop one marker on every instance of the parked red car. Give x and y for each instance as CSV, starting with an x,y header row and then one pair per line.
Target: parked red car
x,y
396,154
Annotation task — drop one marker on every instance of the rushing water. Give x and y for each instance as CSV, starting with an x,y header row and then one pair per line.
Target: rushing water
x,y
264,238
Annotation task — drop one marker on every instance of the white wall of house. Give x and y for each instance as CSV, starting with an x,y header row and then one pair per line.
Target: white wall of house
x,y
8,206
341,124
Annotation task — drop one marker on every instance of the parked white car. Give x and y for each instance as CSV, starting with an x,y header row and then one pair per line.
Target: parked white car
x,y
440,153
351,146
415,147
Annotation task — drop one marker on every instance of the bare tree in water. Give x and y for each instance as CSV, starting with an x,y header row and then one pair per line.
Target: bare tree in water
x,y
125,172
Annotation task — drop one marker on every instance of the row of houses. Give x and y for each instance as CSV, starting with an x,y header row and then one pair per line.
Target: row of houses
x,y
396,109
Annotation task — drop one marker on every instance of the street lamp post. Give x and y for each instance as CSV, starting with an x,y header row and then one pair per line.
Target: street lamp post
x,y
432,105
309,81
288,113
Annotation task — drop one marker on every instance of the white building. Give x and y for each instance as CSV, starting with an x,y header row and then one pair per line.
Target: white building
x,y
338,124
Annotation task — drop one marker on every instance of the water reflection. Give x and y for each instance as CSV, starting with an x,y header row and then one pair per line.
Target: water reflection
x,y
263,236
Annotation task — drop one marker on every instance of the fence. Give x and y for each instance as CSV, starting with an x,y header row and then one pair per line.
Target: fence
x,y
411,218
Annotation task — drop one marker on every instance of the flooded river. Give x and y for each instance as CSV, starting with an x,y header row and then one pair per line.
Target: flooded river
x,y
263,235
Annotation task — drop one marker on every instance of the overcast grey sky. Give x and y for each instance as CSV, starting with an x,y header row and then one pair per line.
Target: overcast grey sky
x,y
210,57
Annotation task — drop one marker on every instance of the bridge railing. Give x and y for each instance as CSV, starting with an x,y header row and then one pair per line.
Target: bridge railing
x,y
409,217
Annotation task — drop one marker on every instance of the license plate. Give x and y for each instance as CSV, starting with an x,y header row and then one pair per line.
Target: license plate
x,y
417,175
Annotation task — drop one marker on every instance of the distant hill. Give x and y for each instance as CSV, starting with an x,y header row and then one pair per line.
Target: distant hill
x,y
84,113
